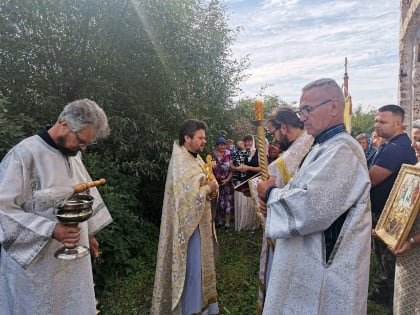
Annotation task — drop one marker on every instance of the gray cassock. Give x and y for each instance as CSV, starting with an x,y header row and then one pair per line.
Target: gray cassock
x,y
32,280
332,180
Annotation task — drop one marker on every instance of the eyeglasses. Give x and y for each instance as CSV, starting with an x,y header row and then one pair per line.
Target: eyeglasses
x,y
83,143
306,109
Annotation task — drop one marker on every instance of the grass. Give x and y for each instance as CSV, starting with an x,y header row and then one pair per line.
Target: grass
x,y
237,280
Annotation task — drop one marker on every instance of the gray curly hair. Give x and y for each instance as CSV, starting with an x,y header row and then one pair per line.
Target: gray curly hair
x,y
85,113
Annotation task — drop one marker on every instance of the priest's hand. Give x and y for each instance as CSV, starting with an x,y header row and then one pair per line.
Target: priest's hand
x,y
214,189
94,246
214,186
264,185
68,235
263,208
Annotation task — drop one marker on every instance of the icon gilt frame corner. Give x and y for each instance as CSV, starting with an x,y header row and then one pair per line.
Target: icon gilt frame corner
x,y
401,208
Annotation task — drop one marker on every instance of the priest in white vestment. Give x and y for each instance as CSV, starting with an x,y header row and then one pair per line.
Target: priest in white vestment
x,y
185,280
32,280
321,219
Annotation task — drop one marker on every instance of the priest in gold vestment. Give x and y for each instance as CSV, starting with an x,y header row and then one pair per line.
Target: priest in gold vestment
x,y
185,280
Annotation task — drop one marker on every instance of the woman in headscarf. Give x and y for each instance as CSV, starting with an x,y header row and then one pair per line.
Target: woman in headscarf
x,y
273,152
367,144
221,162
245,214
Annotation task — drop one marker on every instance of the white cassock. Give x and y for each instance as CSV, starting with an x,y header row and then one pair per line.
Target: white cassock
x,y
332,180
32,280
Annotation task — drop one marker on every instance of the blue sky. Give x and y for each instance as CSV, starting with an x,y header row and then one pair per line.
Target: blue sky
x,y
293,42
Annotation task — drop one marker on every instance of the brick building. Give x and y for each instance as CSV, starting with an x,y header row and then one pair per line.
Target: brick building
x,y
409,76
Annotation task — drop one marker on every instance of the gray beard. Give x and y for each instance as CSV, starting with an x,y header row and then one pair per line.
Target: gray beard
x,y
67,152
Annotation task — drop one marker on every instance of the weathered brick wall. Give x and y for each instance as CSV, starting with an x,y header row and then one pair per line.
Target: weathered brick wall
x,y
409,76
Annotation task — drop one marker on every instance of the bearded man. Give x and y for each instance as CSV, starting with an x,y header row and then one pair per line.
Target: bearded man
x,y
185,280
288,132
32,280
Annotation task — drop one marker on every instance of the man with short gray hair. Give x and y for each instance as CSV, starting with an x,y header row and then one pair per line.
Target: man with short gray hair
x,y
32,280
321,219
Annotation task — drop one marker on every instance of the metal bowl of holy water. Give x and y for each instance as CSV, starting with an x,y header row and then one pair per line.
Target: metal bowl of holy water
x,y
77,208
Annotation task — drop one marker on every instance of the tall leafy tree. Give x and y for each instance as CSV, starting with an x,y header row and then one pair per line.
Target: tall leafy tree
x,y
362,121
149,63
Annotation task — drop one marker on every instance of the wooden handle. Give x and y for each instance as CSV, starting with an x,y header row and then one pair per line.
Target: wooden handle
x,y
85,186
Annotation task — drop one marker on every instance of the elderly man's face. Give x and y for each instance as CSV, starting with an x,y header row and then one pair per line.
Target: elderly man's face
x,y
318,118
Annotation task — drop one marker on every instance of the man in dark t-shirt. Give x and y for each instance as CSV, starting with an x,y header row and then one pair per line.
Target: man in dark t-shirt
x,y
394,151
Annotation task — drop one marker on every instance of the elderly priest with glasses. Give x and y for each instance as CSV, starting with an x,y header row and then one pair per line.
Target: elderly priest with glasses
x,y
32,280
321,220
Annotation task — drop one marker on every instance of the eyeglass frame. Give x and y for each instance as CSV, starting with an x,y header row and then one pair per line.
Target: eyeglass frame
x,y
275,125
306,109
82,143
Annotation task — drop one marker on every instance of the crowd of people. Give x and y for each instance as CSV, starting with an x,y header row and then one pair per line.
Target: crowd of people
x,y
318,209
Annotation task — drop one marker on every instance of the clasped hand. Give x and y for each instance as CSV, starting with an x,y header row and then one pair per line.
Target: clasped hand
x,y
214,189
262,187
69,235
405,248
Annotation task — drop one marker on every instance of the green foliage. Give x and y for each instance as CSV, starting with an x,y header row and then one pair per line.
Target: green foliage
x,y
150,64
131,295
242,116
14,129
130,237
237,279
373,308
237,271
124,242
362,121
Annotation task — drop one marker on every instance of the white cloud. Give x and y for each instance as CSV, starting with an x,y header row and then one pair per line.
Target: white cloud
x,y
292,42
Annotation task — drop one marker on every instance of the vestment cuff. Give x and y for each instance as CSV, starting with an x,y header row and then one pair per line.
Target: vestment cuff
x,y
268,191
